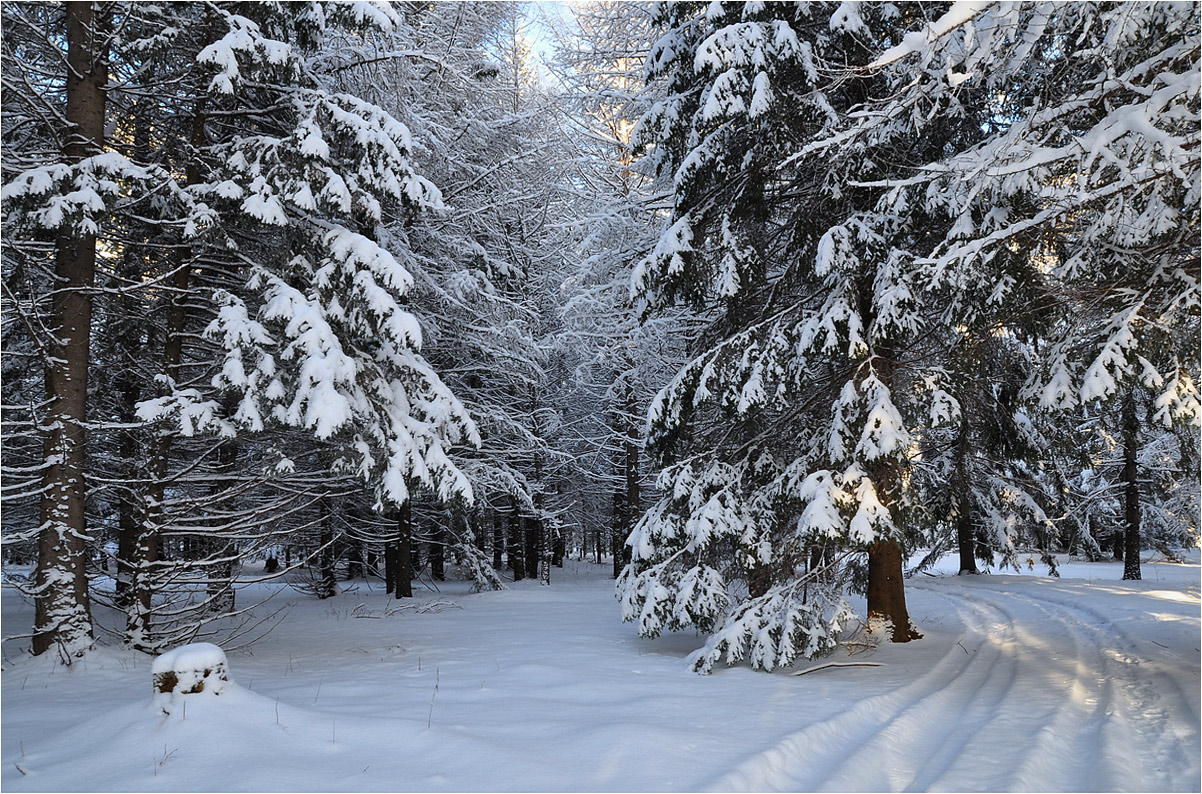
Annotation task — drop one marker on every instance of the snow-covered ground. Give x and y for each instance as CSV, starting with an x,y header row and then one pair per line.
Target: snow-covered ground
x,y
1021,683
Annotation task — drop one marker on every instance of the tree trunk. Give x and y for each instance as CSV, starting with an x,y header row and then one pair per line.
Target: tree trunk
x,y
404,544
886,592
475,523
1131,542
129,515
965,533
515,541
546,546
221,573
886,585
498,540
145,549
63,616
390,567
136,263
354,565
533,544
559,549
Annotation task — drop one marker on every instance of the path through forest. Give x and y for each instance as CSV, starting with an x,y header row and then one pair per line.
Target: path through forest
x,y
1022,682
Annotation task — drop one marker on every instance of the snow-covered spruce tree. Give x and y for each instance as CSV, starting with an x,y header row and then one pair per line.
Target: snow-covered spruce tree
x,y
430,72
311,317
483,262
136,211
789,433
1091,169
980,482
1110,454
187,509
178,228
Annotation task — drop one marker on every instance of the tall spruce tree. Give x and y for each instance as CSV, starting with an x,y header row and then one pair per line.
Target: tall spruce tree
x,y
248,228
1089,172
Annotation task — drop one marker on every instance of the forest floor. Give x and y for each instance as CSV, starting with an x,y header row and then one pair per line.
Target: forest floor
x,y
1021,683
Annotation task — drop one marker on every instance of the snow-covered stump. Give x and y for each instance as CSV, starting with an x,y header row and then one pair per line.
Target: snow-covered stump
x,y
199,668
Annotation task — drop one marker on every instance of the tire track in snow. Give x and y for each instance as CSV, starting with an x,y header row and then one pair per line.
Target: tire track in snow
x,y
806,760
1116,731
925,737
1051,697
1059,703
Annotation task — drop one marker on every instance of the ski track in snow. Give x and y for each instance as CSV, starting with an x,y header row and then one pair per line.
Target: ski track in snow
x,y
1095,720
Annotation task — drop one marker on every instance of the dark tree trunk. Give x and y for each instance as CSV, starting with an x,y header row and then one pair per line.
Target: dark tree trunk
x,y
63,616
475,522
390,567
1131,541
129,341
886,593
759,580
965,533
129,515
354,564
145,550
546,545
498,539
559,550
221,572
533,544
515,541
632,505
1118,547
404,545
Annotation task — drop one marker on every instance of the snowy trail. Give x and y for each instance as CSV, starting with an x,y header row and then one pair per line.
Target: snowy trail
x,y
1107,721
1090,718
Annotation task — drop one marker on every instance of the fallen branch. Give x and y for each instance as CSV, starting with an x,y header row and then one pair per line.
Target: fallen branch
x,y
838,664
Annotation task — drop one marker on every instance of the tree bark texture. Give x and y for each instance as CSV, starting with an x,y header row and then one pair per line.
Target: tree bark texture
x,y
632,502
221,573
327,584
886,592
404,547
62,612
533,543
616,539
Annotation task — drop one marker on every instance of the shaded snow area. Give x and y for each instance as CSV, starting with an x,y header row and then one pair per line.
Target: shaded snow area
x,y
1084,683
